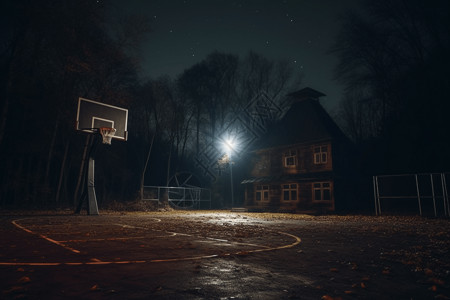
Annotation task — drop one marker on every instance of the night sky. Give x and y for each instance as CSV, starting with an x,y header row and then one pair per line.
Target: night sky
x,y
299,31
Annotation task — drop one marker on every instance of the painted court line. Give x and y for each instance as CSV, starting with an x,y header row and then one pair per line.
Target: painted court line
x,y
95,261
45,237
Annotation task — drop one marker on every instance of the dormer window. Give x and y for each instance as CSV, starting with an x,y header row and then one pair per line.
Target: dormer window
x,y
320,155
290,158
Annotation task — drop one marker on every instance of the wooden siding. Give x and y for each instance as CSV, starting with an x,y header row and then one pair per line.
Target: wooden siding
x,y
305,197
270,162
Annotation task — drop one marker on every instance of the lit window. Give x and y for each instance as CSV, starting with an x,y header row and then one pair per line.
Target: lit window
x,y
289,192
320,155
262,193
290,158
322,191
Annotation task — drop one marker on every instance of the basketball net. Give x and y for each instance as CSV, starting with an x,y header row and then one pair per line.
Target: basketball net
x,y
107,134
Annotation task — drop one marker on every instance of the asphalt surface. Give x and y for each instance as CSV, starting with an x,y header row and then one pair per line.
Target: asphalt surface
x,y
222,255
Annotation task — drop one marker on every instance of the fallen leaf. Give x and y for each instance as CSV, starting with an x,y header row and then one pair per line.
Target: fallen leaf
x,y
94,287
334,270
437,281
24,279
14,289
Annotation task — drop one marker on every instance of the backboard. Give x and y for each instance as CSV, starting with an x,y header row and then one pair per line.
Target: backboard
x,y
92,115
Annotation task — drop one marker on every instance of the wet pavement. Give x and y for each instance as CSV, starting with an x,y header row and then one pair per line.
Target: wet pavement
x,y
223,255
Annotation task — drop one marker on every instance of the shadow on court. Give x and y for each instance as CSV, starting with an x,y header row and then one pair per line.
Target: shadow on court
x,y
223,255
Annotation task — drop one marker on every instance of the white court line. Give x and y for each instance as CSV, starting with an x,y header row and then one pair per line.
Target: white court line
x,y
122,239
231,242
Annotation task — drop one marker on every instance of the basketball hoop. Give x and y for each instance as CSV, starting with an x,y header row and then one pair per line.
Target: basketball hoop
x,y
107,134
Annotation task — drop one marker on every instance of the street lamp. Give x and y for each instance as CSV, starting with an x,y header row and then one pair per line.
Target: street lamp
x,y
229,147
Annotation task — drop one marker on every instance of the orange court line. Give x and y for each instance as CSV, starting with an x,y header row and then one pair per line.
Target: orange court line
x,y
99,262
45,237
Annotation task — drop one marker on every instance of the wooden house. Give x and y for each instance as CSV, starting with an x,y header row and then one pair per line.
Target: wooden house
x,y
298,164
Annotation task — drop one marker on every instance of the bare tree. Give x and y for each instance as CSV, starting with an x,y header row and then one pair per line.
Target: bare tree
x,y
392,58
50,57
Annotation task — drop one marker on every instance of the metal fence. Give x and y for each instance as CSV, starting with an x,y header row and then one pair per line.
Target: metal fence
x,y
179,197
428,193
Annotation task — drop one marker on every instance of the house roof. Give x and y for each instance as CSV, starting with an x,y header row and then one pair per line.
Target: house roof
x,y
306,92
306,121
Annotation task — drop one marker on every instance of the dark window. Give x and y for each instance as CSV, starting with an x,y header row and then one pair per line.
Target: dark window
x,y
320,155
262,193
322,191
290,161
293,195
290,158
326,194
317,195
289,192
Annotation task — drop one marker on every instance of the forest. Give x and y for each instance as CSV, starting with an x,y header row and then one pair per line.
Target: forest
x,y
393,61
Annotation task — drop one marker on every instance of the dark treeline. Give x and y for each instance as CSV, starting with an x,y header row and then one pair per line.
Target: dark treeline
x,y
54,52
395,63
393,60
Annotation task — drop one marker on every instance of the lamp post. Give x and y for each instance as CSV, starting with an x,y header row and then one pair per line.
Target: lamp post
x,y
231,179
229,146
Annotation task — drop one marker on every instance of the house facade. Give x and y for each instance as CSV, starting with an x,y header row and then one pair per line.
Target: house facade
x,y
296,165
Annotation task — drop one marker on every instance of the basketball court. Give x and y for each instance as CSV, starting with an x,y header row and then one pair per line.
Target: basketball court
x,y
222,255
155,238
